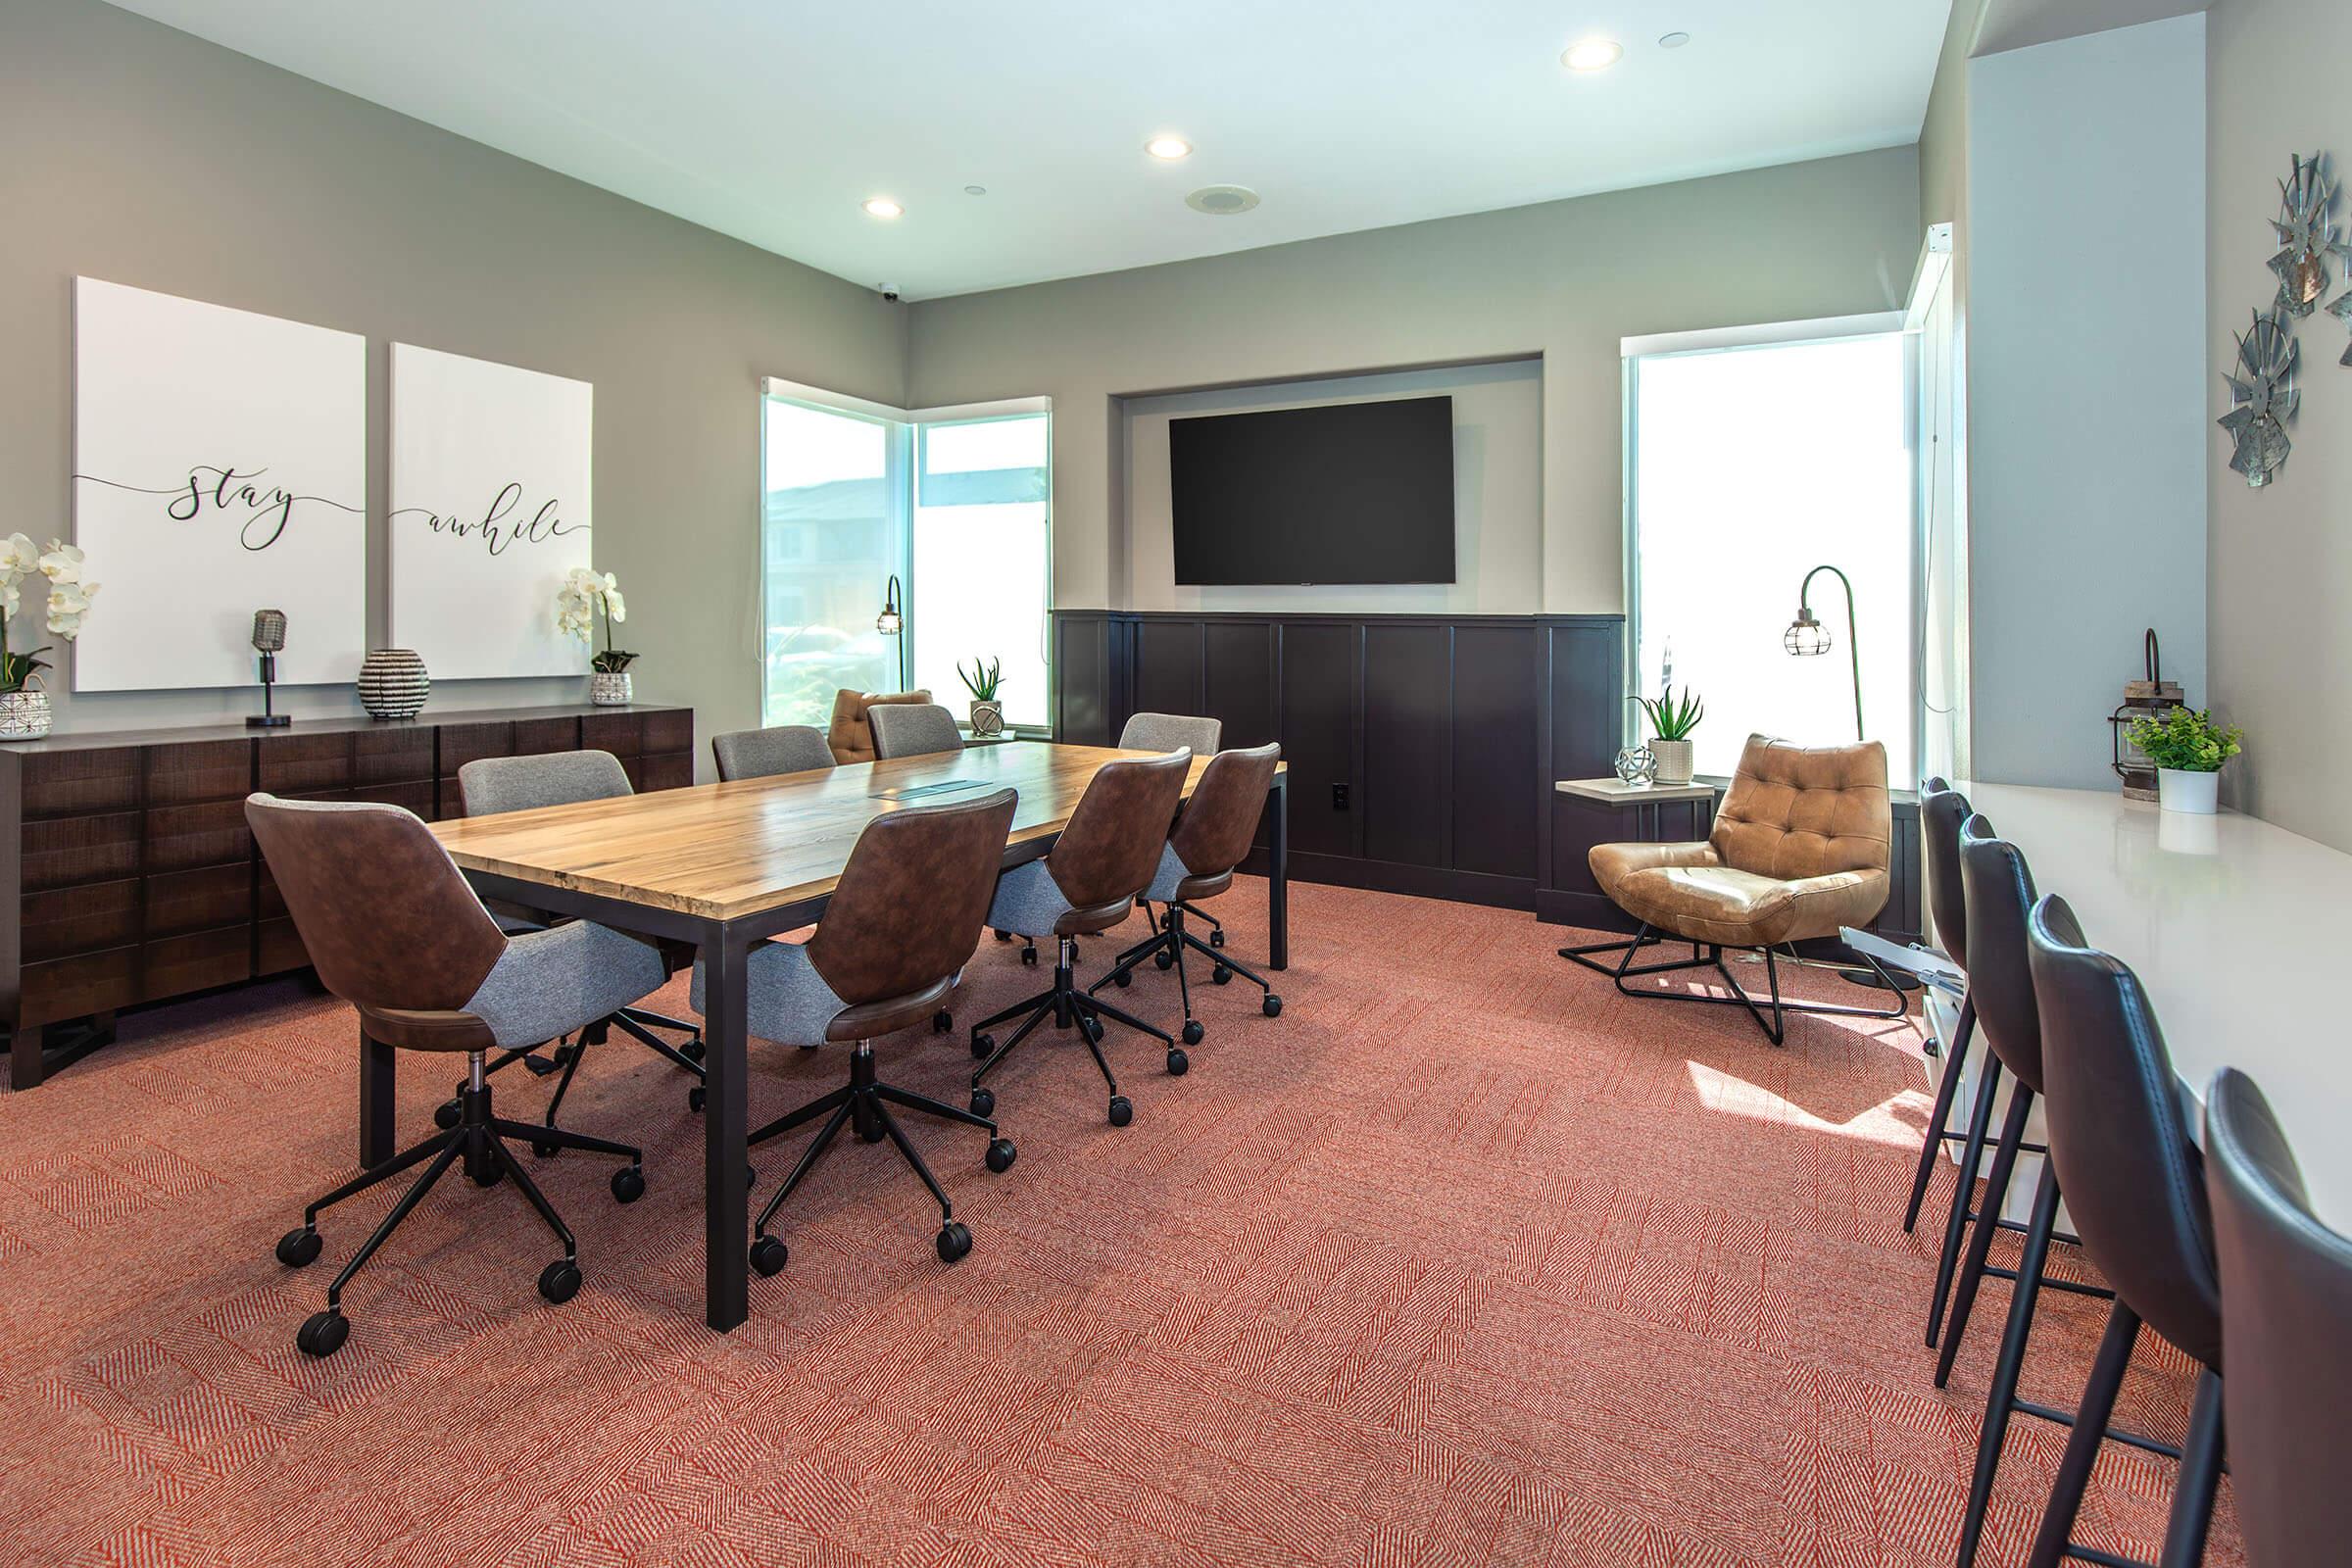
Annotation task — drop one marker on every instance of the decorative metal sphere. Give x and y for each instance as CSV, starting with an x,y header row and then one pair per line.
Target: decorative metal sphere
x,y
1637,766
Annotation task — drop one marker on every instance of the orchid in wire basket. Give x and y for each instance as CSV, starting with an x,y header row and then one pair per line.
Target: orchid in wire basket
x,y
70,597
584,594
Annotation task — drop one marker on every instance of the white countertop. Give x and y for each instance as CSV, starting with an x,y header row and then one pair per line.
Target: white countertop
x,y
1615,791
2238,930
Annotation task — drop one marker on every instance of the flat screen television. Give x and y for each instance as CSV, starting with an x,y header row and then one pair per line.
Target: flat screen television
x,y
1349,493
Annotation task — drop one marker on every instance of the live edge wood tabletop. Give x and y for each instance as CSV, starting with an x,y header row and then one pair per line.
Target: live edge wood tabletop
x,y
727,865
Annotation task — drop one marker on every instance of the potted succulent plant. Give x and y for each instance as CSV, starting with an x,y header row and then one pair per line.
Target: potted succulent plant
x,y
2189,750
982,681
1672,721
23,707
585,594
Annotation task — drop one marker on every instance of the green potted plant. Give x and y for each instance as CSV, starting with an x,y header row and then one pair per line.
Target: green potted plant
x,y
2189,750
1672,721
982,681
585,594
23,707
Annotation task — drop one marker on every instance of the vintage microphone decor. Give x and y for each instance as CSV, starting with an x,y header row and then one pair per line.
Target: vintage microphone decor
x,y
269,639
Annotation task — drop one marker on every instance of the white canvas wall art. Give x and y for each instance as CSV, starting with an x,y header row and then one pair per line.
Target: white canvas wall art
x,y
220,467
491,505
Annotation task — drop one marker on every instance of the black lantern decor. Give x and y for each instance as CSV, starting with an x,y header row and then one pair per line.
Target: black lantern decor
x,y
2152,698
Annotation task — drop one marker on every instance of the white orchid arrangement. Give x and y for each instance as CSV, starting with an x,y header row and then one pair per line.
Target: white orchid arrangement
x,y
70,595
585,594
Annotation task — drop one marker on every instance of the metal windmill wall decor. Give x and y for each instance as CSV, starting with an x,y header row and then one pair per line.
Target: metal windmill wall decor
x,y
2307,237
2263,392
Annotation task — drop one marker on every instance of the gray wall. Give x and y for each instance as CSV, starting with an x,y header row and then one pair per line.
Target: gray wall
x,y
1563,280
1498,494
2086,363
143,156
2281,557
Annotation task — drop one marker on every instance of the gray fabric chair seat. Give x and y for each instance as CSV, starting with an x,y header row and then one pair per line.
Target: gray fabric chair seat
x,y
1172,870
1028,901
549,983
789,1002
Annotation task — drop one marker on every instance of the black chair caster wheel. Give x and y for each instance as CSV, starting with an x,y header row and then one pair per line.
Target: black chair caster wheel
x,y
942,1021
1216,938
446,1114
768,1255
1123,979
694,1050
560,1281
1092,1028
871,1135
1029,956
1221,975
697,1098
1164,960
323,1334
628,1183
955,1240
541,1066
1272,1005
546,1150
299,1247
1002,1154
982,1044
492,1177
1192,1030
984,1102
1004,936
1178,1062
1122,1111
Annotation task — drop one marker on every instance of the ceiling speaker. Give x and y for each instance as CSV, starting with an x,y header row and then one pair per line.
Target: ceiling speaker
x,y
1222,201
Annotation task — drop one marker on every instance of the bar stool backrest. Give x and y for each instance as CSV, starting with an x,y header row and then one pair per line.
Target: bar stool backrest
x,y
2001,981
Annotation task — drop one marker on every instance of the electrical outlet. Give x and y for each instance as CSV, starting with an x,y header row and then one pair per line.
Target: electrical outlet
x,y
1338,797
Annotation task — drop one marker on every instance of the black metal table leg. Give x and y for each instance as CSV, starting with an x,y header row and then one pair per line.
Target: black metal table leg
x,y
1278,875
726,1277
378,1080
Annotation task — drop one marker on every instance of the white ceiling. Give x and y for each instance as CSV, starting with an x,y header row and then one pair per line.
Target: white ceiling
x,y
772,119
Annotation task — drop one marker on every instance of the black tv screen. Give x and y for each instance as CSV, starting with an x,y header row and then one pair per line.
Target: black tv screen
x,y
1355,492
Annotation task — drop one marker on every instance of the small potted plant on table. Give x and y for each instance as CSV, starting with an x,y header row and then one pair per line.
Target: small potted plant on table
x,y
23,707
1673,722
982,681
586,593
2189,750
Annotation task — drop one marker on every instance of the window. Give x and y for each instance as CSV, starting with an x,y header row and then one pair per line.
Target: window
x,y
955,503
981,564
1748,465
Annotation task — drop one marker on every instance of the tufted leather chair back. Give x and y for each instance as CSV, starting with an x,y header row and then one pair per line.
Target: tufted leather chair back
x,y
2287,1401
1796,811
2135,1183
2000,898
1942,810
850,736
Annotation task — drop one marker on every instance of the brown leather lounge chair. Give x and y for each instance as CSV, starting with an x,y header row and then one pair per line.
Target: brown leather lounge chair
x,y
1800,846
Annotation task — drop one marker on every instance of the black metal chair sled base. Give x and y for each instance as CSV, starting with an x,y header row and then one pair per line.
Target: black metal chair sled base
x,y
1775,1027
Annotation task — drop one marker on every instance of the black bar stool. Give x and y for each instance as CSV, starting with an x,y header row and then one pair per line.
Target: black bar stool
x,y
1941,809
2135,1188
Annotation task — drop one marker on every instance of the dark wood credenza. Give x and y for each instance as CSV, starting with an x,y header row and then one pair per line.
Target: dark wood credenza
x,y
128,874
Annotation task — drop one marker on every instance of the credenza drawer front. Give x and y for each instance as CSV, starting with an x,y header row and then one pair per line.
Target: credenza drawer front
x,y
417,798
669,732
180,838
467,743
69,851
66,988
208,899
294,764
668,771
179,966
401,752
198,770
67,922
537,737
621,734
81,783
278,948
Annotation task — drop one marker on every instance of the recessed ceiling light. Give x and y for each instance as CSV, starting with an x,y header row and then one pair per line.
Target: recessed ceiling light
x,y
882,207
975,191
1674,40
1168,149
1222,201
1594,54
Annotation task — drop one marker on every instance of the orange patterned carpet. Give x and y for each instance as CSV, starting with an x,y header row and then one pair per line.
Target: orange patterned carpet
x,y
1463,1259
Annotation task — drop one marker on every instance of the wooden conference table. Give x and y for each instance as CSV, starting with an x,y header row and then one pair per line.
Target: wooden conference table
x,y
729,865
2234,927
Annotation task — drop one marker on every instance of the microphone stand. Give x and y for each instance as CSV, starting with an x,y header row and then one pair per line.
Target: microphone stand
x,y
268,717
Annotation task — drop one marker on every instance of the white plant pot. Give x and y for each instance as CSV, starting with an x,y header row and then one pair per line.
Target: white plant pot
x,y
1674,762
608,689
2179,789
24,716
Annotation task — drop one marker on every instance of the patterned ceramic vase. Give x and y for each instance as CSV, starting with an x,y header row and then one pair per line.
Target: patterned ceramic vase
x,y
609,688
988,718
1674,760
393,683
24,716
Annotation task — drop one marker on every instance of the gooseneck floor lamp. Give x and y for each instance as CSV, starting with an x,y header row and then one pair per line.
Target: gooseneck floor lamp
x,y
1806,637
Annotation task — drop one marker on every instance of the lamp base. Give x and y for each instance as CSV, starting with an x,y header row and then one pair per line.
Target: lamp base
x,y
268,721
